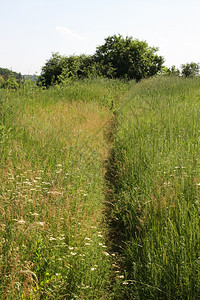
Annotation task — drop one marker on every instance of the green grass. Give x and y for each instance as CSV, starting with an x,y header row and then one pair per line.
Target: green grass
x,y
52,153
100,189
156,166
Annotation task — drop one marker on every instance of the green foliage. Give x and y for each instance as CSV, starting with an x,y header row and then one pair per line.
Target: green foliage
x,y
59,69
126,58
190,69
173,71
119,57
10,83
6,73
9,79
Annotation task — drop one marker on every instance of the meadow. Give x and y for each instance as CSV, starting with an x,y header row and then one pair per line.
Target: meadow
x,y
99,190
53,149
156,189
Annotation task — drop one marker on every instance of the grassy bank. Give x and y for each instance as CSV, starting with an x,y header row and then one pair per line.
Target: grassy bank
x,y
52,153
155,179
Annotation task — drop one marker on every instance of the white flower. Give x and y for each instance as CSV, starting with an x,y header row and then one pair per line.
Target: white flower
x,y
120,276
40,223
21,221
34,214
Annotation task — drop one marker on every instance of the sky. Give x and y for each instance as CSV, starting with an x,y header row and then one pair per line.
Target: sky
x,y
31,30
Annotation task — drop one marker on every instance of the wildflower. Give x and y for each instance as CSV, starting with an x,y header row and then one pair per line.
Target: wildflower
x,y
85,287
40,223
71,248
73,253
34,214
125,282
120,276
52,239
21,221
106,253
87,244
59,171
92,269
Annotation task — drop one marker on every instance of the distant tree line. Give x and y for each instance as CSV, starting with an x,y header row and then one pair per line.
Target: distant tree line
x,y
6,73
119,57
187,70
13,80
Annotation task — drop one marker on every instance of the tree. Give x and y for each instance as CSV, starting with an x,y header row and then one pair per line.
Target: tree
x,y
6,73
59,69
173,71
126,58
190,69
51,70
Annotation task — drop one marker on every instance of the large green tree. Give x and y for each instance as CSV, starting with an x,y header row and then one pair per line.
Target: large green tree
x,y
127,58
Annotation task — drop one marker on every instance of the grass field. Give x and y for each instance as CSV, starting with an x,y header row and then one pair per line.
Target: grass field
x,y
156,176
53,234
99,190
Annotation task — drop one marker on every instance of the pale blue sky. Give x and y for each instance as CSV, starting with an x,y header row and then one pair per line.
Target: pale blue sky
x,y
30,30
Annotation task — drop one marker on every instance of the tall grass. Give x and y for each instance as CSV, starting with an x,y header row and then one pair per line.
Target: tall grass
x,y
53,232
156,189
52,229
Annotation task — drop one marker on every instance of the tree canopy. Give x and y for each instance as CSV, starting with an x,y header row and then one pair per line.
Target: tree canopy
x,y
190,69
118,57
122,57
